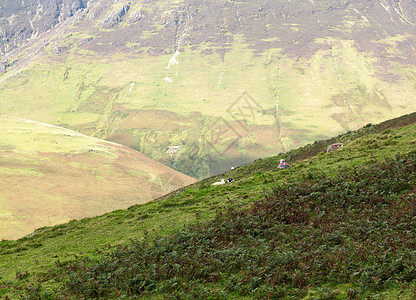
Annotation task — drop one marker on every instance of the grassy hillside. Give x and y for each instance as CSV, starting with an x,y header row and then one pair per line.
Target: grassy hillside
x,y
337,225
51,175
270,76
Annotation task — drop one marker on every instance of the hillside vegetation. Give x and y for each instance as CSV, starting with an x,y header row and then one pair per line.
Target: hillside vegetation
x,y
333,226
50,175
226,81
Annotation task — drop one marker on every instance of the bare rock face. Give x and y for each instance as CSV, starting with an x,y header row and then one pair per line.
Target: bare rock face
x,y
69,8
22,20
137,16
115,17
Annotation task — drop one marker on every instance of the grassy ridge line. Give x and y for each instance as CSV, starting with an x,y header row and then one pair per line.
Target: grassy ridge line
x,y
353,229
319,147
51,175
196,203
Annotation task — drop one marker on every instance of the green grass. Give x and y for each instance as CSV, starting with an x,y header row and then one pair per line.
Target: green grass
x,y
201,201
330,92
30,136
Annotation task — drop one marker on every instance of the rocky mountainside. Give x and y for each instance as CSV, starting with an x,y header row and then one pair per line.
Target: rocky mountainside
x,y
209,21
291,26
22,21
205,85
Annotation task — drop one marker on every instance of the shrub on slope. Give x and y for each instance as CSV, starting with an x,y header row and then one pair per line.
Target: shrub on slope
x,y
356,228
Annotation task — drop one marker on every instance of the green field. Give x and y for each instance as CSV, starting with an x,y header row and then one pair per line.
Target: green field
x,y
109,109
24,261
228,101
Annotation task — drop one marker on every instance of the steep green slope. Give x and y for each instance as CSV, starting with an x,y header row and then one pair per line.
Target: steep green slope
x,y
313,172
50,175
355,229
225,81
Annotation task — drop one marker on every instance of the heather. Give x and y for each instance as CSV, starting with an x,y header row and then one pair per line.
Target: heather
x,y
356,228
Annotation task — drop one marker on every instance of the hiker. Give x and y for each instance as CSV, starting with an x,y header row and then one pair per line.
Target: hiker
x,y
283,164
333,147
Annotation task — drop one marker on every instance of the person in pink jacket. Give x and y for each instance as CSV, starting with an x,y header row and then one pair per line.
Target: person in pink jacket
x,y
283,164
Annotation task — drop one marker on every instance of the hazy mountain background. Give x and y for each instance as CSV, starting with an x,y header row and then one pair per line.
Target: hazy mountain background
x,y
205,85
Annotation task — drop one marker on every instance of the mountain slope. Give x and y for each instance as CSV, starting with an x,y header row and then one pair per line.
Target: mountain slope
x,y
353,229
226,82
339,172
50,175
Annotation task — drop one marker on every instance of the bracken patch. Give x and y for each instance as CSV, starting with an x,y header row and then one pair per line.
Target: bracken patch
x,y
356,228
